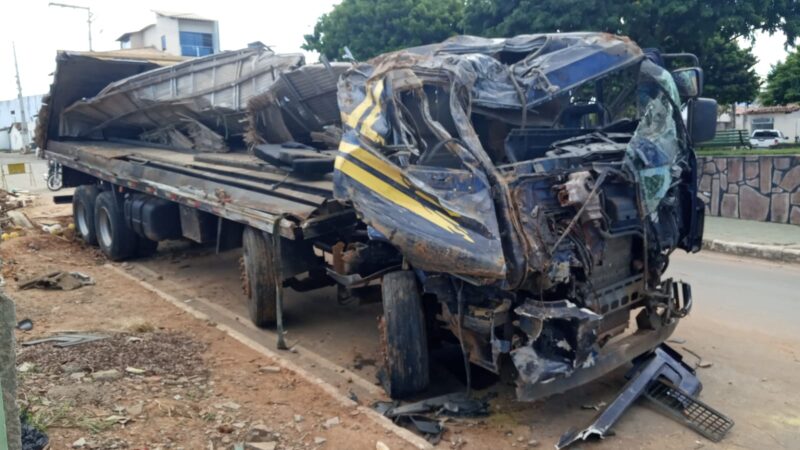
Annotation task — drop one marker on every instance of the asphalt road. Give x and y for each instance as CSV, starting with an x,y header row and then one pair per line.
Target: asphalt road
x,y
744,321
750,294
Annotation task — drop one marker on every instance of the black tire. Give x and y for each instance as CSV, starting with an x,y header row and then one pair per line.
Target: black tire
x,y
259,278
115,238
405,345
83,201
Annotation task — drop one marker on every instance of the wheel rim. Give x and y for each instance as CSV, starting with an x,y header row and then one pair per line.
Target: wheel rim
x,y
54,182
104,232
80,216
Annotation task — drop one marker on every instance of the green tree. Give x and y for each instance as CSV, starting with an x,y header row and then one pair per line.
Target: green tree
x,y
783,82
371,27
708,29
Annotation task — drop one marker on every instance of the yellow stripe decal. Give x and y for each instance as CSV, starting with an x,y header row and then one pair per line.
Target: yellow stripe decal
x,y
366,126
372,97
398,197
373,161
352,118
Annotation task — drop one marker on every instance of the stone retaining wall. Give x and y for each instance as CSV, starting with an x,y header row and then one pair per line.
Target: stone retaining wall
x,y
763,188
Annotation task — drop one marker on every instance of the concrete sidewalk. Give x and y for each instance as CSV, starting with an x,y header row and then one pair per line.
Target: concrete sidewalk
x,y
773,241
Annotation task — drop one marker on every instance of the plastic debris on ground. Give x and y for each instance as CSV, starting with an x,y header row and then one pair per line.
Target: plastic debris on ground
x,y
62,280
421,415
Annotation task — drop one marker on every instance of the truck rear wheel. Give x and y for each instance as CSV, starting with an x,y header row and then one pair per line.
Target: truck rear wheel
x,y
259,277
116,239
83,201
403,336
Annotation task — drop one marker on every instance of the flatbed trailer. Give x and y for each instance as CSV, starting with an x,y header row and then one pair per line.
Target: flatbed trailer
x,y
235,186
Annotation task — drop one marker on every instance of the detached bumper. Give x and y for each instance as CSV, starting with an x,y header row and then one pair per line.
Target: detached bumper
x,y
611,357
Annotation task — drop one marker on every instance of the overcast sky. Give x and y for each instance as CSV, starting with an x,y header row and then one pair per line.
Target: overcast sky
x,y
40,30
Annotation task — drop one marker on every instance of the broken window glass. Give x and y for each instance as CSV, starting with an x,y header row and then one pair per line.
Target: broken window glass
x,y
654,147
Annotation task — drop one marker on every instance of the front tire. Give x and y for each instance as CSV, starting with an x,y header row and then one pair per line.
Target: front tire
x,y
116,239
259,277
83,201
404,340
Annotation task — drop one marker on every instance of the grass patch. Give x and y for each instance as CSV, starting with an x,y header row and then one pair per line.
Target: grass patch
x,y
43,417
729,151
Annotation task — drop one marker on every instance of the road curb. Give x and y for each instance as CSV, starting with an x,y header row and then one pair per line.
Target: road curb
x,y
775,253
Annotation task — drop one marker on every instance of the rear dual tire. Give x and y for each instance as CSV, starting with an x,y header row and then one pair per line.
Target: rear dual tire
x,y
83,201
113,235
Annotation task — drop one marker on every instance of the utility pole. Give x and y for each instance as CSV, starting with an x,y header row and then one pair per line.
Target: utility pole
x,y
89,17
24,120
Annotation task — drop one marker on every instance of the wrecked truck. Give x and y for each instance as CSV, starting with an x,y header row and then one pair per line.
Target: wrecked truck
x,y
519,197
534,188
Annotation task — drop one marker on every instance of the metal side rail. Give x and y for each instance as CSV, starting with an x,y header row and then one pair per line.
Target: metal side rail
x,y
663,367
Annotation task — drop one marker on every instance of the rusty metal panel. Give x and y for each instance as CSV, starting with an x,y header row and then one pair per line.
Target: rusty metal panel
x,y
257,204
213,90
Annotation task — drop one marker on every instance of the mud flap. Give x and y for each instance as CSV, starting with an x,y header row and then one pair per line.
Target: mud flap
x,y
664,378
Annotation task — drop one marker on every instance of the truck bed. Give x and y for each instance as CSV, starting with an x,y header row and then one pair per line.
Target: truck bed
x,y
235,186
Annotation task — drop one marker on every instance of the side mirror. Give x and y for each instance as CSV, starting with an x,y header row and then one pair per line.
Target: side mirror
x,y
689,81
702,119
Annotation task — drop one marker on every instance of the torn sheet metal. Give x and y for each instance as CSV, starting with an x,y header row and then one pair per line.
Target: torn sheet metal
x,y
406,113
213,90
421,415
542,65
70,83
442,219
298,106
563,338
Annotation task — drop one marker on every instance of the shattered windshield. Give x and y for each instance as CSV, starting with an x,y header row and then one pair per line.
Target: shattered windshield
x,y
654,147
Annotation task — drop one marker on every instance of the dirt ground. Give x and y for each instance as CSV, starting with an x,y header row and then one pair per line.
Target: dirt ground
x,y
161,379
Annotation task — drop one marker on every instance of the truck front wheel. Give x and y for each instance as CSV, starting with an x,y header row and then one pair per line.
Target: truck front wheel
x,y
403,337
116,239
83,201
259,279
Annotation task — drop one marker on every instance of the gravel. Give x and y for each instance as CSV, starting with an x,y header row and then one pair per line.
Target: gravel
x,y
157,353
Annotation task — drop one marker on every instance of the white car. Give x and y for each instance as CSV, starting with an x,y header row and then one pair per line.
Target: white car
x,y
767,138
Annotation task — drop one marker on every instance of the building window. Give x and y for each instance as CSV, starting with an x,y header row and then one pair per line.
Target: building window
x,y
163,43
196,44
762,123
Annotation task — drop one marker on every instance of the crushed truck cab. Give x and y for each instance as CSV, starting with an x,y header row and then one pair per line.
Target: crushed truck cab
x,y
536,187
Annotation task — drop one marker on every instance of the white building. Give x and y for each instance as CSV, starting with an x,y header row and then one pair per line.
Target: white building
x,y
11,117
10,112
785,118
180,34
5,142
12,139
